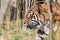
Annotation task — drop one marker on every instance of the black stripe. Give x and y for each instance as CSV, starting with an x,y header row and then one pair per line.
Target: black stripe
x,y
41,38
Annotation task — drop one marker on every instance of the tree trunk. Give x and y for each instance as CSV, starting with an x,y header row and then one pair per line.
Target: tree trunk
x,y
4,5
0,4
26,6
49,11
7,17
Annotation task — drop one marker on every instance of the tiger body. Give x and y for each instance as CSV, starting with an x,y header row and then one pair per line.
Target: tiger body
x,y
40,20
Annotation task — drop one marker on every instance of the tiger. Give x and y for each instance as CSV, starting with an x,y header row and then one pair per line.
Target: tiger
x,y
39,19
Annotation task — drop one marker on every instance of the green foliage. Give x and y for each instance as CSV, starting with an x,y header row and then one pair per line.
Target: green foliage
x,y
21,23
54,35
17,38
1,33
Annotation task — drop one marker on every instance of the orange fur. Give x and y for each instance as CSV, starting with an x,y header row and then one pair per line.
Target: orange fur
x,y
43,9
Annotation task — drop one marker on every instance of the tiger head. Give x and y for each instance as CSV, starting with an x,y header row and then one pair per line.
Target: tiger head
x,y
31,20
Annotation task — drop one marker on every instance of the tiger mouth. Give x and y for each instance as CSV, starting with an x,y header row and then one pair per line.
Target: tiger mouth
x,y
32,25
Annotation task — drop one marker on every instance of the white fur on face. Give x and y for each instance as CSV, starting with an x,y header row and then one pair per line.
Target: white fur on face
x,y
30,14
46,29
39,26
55,28
38,38
43,36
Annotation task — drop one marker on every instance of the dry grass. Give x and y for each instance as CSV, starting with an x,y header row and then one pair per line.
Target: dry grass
x,y
17,33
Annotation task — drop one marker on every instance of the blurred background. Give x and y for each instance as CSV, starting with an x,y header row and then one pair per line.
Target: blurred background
x,y
12,20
